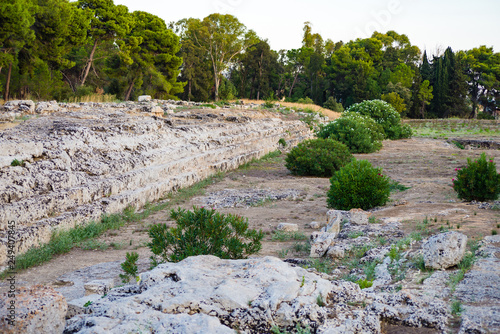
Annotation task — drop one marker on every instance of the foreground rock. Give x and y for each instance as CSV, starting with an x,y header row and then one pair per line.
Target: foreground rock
x,y
444,250
91,159
38,309
249,296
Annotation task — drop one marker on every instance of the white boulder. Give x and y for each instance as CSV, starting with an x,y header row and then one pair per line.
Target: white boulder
x,y
444,250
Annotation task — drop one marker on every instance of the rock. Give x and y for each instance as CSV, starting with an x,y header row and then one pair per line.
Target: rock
x,y
99,287
359,217
38,309
314,225
153,109
286,227
334,218
335,252
21,106
320,242
144,98
100,158
81,305
479,291
239,198
444,250
47,107
251,295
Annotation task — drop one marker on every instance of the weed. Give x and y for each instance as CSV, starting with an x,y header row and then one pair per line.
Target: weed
x,y
302,247
87,304
494,232
320,301
93,244
355,234
456,308
287,236
363,283
303,281
283,253
322,266
282,142
16,162
395,185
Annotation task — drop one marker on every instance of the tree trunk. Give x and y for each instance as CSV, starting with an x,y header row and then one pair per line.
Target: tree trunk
x,y
7,85
89,63
129,90
217,82
293,84
189,89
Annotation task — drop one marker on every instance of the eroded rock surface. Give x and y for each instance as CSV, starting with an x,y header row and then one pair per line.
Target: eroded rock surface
x,y
251,296
90,159
444,250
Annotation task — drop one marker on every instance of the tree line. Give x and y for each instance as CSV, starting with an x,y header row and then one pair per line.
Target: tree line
x,y
56,49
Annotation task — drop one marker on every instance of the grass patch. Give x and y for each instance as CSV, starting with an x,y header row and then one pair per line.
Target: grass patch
x,y
287,236
271,157
396,186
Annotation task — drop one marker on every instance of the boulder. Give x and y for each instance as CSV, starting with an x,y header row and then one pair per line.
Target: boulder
x,y
359,217
38,309
314,225
21,106
144,98
320,242
335,252
99,286
214,295
334,218
286,227
444,250
47,107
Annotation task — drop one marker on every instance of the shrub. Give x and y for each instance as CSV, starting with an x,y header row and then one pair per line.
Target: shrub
x,y
483,115
305,100
358,185
318,157
385,115
332,104
478,181
129,267
203,232
360,133
16,162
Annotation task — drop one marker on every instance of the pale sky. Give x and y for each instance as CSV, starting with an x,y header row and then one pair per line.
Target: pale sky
x,y
430,24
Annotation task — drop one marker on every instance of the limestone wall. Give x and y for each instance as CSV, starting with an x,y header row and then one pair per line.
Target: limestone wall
x,y
81,162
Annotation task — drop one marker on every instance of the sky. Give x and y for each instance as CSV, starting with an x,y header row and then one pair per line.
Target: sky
x,y
432,25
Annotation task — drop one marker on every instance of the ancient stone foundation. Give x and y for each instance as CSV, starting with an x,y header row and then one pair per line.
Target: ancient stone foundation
x,y
85,160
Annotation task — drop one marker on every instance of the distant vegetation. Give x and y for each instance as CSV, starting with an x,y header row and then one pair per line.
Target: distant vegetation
x,y
56,49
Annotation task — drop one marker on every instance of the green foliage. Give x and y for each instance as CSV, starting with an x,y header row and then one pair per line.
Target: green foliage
x,y
129,267
282,142
202,232
358,185
318,157
332,104
456,308
478,181
395,185
483,115
385,115
363,283
358,132
305,100
16,162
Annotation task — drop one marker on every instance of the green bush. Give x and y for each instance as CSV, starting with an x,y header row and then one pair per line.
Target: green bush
x,y
358,185
305,100
204,232
332,104
384,114
129,267
483,115
361,134
318,157
478,181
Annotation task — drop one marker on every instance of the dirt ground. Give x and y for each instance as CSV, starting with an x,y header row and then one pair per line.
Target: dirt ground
x,y
425,165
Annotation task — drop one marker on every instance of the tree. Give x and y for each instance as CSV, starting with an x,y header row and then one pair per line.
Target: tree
x,y
425,95
108,23
222,37
15,31
483,70
148,59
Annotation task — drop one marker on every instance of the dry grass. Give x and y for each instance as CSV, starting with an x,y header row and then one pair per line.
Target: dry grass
x,y
94,98
327,112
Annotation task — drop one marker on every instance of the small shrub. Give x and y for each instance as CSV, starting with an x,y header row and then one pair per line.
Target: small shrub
x,y
203,232
360,133
129,267
478,181
385,115
363,283
305,100
318,157
16,162
483,115
332,104
358,185
282,142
